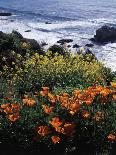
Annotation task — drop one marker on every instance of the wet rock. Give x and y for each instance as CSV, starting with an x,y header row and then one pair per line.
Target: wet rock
x,y
33,43
43,44
105,34
17,34
68,45
48,23
58,49
62,41
76,46
89,45
28,31
5,14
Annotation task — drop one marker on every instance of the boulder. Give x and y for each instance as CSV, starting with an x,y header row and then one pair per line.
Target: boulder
x,y
28,31
76,46
58,49
48,23
17,34
5,14
43,44
105,34
34,44
89,45
68,46
62,41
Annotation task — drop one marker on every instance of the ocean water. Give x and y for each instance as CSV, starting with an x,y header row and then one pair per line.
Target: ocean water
x,y
74,19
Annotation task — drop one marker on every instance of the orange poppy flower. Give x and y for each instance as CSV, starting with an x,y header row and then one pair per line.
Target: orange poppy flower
x,y
43,130
76,93
111,137
13,117
52,97
8,110
55,139
56,122
65,94
15,106
85,114
4,106
88,101
29,102
43,93
81,96
74,107
114,97
47,109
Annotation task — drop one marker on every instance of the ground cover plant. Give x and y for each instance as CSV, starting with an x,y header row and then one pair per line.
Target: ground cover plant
x,y
61,120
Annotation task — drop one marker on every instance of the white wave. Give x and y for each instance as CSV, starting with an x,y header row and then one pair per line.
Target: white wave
x,y
60,25
108,53
100,21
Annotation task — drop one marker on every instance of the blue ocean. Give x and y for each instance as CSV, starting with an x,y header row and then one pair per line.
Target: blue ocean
x,y
74,19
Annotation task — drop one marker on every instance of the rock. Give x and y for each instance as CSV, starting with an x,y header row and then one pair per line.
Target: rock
x,y
76,46
48,23
89,45
11,20
105,34
68,45
43,44
34,44
62,41
5,14
17,34
28,31
58,49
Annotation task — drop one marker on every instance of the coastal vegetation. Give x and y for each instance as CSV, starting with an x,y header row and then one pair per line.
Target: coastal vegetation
x,y
58,99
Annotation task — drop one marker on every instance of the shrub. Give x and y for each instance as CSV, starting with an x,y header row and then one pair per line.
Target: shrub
x,y
57,71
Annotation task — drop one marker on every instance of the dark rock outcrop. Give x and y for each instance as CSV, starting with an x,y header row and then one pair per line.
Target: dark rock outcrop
x,y
28,31
76,46
62,41
89,45
5,14
48,23
58,49
105,34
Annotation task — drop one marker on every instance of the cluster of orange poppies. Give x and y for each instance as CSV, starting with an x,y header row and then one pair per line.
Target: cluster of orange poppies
x,y
72,103
11,110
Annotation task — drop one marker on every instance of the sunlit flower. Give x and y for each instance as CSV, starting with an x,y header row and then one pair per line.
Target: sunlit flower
x,y
8,110
47,109
15,106
4,106
13,117
85,114
114,97
111,137
43,130
55,139
29,102
56,122
52,97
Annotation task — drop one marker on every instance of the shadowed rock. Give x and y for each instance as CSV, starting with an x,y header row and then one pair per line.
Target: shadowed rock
x,y
105,34
5,14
